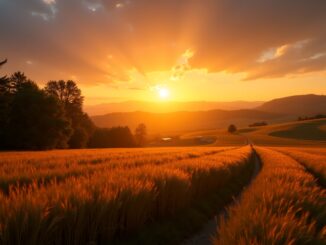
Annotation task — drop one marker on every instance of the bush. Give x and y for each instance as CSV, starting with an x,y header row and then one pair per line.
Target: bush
x,y
111,137
232,128
258,124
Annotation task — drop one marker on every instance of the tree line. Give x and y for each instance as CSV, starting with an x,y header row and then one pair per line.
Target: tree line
x,y
32,118
318,116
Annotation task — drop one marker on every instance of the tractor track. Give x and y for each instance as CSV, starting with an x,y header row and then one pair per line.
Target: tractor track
x,y
208,232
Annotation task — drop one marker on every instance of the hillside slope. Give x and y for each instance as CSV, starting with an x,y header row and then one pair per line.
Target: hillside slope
x,y
296,133
310,132
299,105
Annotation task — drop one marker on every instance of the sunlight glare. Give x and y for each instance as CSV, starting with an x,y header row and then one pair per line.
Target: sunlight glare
x,y
164,93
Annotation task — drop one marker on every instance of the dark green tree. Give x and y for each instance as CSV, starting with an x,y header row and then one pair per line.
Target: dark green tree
x,y
71,98
112,137
67,92
232,128
83,130
4,102
5,105
140,134
35,120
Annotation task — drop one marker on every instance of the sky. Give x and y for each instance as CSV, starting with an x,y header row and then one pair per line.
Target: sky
x,y
180,50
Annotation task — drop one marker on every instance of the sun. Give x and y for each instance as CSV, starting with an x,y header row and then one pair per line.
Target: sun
x,y
163,93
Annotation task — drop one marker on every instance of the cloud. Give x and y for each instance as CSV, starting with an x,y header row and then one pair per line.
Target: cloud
x,y
94,5
49,2
296,58
182,65
258,37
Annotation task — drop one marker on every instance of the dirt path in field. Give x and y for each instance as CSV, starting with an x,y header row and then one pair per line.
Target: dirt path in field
x,y
208,232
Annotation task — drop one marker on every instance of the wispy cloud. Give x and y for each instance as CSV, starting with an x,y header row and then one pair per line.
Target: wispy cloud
x,y
182,65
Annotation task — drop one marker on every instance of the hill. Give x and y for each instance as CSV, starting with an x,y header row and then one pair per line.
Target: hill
x,y
299,105
310,132
297,133
168,106
186,121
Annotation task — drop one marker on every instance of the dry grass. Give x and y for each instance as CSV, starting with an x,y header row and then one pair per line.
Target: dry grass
x,y
313,160
123,193
312,150
22,169
284,205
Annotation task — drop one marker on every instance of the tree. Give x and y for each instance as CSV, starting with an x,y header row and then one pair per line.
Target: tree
x,y
36,120
232,128
140,134
71,98
19,81
67,92
4,102
112,137
4,81
3,62
8,90
83,129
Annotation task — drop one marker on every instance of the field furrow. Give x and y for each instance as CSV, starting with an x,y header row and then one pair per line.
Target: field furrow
x,y
284,205
314,163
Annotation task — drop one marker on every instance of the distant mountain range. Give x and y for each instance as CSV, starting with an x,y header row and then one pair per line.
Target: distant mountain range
x,y
168,106
274,111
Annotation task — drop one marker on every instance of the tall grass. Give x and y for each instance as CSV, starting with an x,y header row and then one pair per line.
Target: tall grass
x,y
30,167
314,163
113,203
284,205
312,150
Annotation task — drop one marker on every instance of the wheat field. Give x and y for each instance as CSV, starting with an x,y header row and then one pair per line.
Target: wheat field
x,y
314,160
80,197
284,205
163,195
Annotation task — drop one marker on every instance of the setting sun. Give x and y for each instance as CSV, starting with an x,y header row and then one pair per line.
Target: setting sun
x,y
164,93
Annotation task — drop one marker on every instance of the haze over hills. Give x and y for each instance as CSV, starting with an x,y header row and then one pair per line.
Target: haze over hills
x,y
299,105
168,106
275,111
185,121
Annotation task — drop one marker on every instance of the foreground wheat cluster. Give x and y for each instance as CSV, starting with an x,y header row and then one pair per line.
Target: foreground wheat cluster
x,y
99,196
284,205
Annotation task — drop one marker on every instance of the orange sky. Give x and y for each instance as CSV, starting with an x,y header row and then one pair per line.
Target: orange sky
x,y
195,50
199,85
